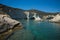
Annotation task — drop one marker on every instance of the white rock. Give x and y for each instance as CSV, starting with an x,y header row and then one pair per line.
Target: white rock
x,y
56,18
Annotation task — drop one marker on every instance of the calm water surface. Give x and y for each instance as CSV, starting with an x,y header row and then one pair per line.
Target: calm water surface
x,y
36,30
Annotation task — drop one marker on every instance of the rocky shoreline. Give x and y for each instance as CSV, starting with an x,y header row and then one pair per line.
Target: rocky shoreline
x,y
8,26
5,35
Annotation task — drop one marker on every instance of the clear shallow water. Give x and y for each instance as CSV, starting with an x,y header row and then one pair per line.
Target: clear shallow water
x,y
36,30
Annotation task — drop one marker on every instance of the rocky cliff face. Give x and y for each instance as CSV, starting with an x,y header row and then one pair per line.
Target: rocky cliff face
x,y
19,13
13,12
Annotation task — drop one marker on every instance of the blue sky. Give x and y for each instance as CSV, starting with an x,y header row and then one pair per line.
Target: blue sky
x,y
43,5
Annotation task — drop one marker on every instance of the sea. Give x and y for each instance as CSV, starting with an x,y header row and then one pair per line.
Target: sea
x,y
37,30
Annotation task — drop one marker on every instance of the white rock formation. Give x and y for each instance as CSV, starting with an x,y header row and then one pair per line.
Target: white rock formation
x,y
8,20
36,17
27,14
56,18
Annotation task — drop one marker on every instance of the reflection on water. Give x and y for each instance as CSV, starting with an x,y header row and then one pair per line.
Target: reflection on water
x,y
35,30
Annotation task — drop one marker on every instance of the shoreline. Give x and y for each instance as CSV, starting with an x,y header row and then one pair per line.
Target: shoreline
x,y
5,35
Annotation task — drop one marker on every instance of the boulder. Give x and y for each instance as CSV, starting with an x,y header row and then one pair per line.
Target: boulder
x,y
6,23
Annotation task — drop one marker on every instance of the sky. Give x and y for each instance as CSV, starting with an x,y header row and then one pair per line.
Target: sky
x,y
43,5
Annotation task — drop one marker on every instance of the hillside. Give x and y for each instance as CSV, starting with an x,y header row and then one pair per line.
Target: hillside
x,y
13,12
19,13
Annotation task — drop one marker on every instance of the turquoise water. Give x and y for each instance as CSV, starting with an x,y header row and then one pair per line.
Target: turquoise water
x,y
37,30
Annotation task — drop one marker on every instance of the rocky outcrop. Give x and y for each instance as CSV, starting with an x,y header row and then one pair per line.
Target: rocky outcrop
x,y
13,12
56,18
11,23
20,13
7,25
